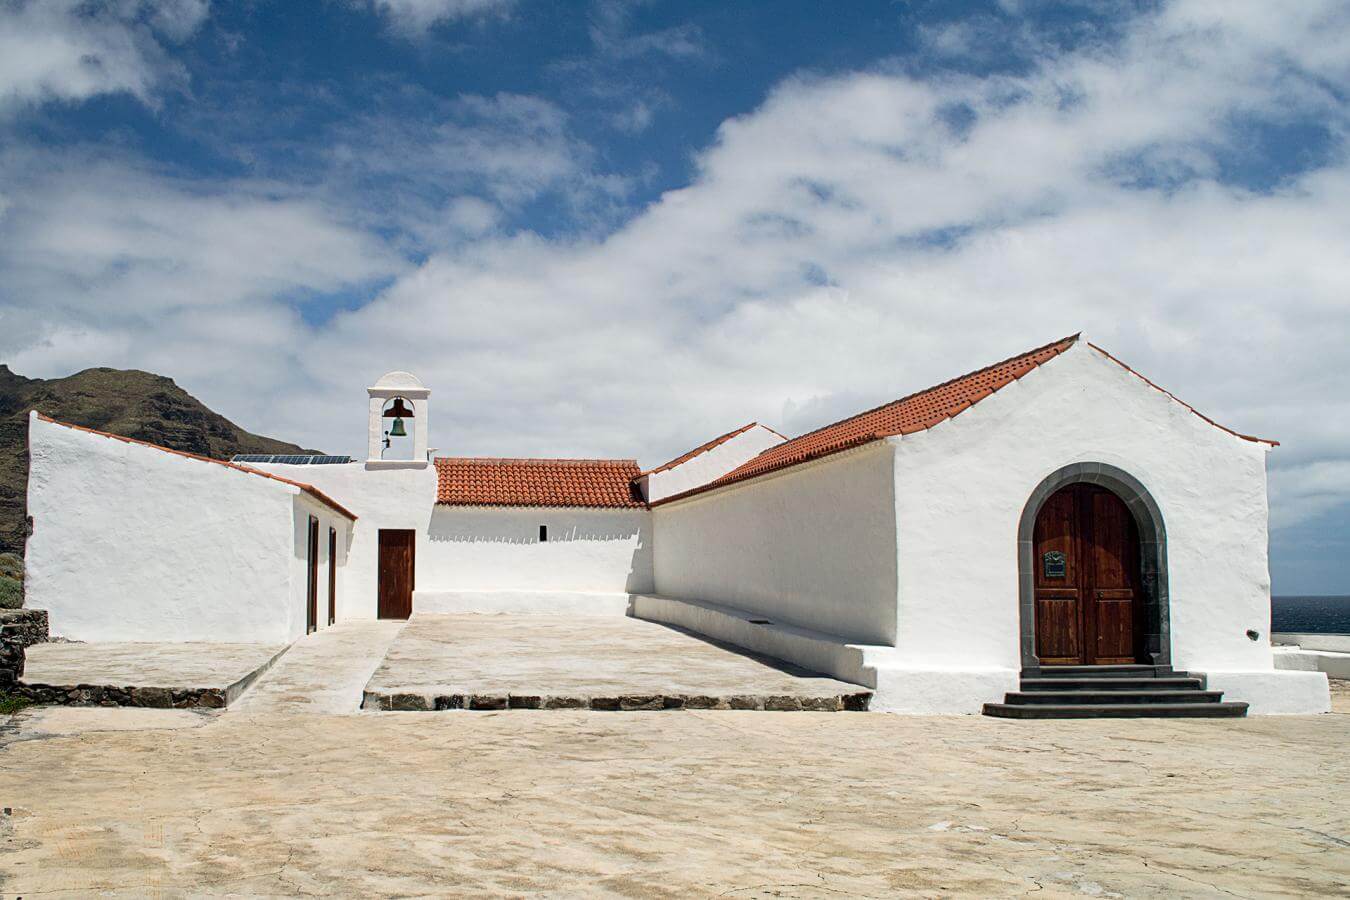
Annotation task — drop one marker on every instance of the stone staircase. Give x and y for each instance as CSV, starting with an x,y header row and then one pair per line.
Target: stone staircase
x,y
1123,692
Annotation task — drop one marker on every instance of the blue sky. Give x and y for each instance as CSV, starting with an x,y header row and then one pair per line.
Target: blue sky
x,y
603,228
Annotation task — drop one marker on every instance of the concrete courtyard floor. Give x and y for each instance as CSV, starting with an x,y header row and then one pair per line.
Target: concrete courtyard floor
x,y
601,662
168,803
227,668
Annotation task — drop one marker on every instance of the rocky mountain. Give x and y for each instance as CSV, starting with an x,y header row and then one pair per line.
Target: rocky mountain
x,y
121,401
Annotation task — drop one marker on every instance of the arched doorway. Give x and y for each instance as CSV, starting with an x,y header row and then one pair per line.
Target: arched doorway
x,y
1092,566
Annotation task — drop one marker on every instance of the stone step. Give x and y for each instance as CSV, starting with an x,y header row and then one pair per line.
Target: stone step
x,y
427,702
1224,710
1135,670
1063,698
1170,683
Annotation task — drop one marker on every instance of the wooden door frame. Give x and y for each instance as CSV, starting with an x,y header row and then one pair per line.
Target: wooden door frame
x,y
379,565
1156,648
332,575
312,576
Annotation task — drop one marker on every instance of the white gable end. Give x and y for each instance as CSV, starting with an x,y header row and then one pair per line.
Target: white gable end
x,y
709,465
962,486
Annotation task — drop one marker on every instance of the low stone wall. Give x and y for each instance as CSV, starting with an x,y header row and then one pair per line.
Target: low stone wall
x,y
19,629
22,628
26,626
111,695
11,660
410,702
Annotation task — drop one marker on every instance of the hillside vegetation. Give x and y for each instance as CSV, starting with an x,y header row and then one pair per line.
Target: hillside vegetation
x,y
128,402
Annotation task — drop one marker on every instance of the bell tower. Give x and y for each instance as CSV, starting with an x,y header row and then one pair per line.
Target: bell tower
x,y
398,423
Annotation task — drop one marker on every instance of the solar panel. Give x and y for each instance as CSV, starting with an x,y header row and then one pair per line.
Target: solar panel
x,y
290,459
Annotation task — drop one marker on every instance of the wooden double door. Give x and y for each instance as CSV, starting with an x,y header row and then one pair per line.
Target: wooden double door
x,y
397,566
1088,587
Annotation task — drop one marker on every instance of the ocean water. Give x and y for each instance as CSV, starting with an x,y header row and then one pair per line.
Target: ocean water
x,y
1310,615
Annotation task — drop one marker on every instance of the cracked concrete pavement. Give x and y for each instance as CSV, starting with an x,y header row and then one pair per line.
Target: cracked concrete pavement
x,y
579,661
749,804
322,673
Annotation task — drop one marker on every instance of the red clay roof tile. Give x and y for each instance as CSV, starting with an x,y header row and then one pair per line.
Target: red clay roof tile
x,y
602,483
917,412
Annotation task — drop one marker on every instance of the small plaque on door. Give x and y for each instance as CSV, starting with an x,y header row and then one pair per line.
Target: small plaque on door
x,y
1053,564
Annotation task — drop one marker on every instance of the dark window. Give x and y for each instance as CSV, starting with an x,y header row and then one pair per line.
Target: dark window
x,y
543,534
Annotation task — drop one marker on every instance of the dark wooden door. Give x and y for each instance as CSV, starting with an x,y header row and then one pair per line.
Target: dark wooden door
x,y
312,587
396,573
1086,556
332,575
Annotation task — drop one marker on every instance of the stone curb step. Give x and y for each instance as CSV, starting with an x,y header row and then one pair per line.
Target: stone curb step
x,y
620,703
114,695
1225,710
1076,698
1113,684
1135,670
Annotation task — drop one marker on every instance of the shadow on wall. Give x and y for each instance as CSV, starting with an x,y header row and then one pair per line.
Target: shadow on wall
x,y
613,550
481,530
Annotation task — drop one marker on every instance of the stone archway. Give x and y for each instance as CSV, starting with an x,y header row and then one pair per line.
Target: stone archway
x,y
1157,649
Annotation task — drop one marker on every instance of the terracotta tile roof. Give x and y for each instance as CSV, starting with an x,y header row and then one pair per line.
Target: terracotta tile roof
x,y
307,488
917,412
605,483
704,448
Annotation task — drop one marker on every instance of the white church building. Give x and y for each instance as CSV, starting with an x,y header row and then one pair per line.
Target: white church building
x,y
1052,513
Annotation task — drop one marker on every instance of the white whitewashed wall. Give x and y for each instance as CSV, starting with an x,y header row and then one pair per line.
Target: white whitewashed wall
x,y
380,498
961,488
589,553
304,507
813,546
131,543
592,557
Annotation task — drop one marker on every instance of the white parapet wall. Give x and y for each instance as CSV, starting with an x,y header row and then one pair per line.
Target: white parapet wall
x,y
1327,653
1331,643
1275,692
897,688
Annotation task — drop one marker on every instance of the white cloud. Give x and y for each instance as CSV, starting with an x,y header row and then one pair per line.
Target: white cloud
x,y
851,240
412,18
453,169
69,51
844,244
634,119
613,37
107,264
